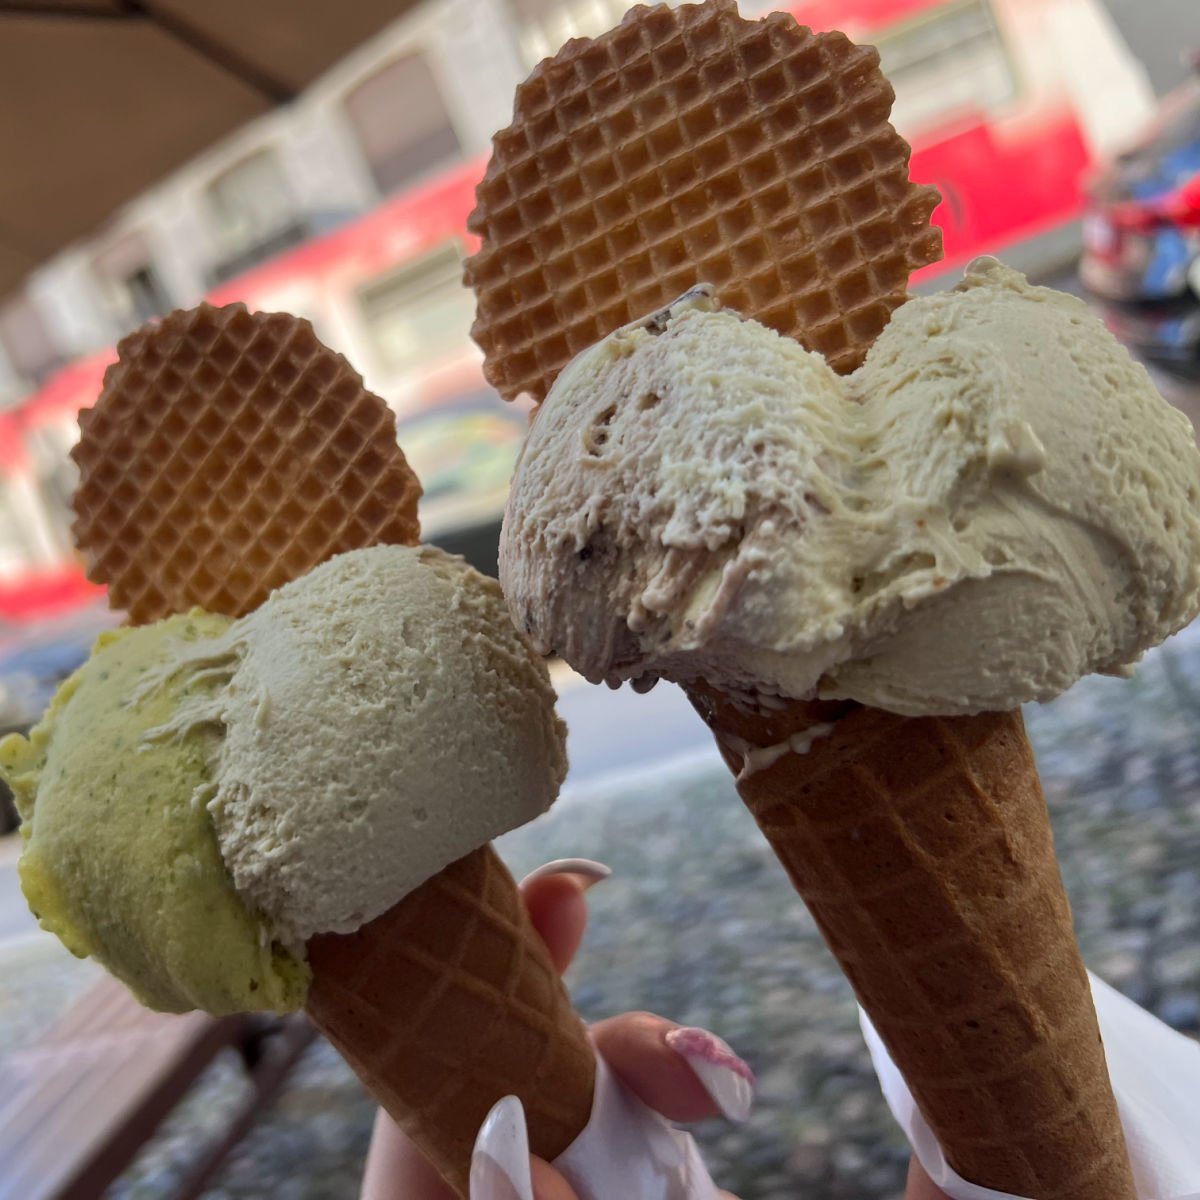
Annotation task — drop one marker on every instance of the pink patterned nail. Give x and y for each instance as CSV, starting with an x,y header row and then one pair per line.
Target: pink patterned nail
x,y
726,1078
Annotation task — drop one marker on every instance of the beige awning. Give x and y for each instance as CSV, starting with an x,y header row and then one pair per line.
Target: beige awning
x,y
99,99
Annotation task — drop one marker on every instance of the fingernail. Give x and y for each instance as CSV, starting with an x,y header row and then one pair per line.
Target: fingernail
x,y
726,1078
500,1160
588,870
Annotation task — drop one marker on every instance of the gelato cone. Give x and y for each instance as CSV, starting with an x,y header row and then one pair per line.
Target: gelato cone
x,y
856,576
448,1002
325,772
923,849
687,571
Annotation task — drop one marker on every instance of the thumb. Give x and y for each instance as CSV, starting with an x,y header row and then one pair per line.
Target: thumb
x,y
554,896
919,1185
501,1167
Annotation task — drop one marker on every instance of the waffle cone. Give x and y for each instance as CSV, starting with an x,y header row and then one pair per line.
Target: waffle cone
x,y
923,849
447,1003
689,145
229,453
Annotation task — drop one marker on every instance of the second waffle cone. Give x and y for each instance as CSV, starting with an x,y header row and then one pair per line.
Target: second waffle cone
x,y
450,1001
923,849
232,452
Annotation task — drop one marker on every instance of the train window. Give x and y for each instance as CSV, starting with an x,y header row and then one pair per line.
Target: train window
x,y
16,555
147,296
402,122
948,62
130,281
49,449
420,313
28,539
254,215
27,340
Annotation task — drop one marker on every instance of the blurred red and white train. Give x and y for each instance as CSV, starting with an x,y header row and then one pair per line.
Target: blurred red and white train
x,y
1007,104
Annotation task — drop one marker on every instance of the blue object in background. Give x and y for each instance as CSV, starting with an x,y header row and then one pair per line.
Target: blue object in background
x,y
1141,252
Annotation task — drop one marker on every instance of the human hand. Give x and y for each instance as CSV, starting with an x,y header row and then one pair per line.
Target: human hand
x,y
920,1186
684,1074
648,1054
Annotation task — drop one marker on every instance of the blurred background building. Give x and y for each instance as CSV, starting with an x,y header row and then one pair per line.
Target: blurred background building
x,y
348,205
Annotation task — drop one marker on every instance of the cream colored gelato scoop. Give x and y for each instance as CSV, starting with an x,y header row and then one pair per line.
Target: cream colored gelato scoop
x,y
379,719
995,504
205,795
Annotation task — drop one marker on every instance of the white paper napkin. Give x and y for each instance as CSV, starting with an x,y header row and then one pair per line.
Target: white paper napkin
x,y
628,1150
1156,1079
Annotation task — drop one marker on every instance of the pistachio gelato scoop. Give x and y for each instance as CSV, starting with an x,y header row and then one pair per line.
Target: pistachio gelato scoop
x,y
120,857
205,795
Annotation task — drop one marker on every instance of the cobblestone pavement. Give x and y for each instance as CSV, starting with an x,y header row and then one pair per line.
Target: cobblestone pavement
x,y
698,922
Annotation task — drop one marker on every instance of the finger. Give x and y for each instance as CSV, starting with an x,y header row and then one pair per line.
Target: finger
x,y
548,1184
502,1167
396,1169
554,896
919,1185
685,1074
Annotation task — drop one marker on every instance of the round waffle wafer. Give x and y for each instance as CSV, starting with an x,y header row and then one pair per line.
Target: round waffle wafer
x,y
690,145
228,453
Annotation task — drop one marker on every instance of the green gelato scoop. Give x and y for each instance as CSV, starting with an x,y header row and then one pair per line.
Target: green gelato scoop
x,y
121,858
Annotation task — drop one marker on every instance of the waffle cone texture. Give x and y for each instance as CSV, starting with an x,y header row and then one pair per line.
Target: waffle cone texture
x,y
228,453
687,146
448,1002
923,849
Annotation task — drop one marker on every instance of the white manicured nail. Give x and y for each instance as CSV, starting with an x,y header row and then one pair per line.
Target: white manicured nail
x,y
500,1160
726,1078
587,869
